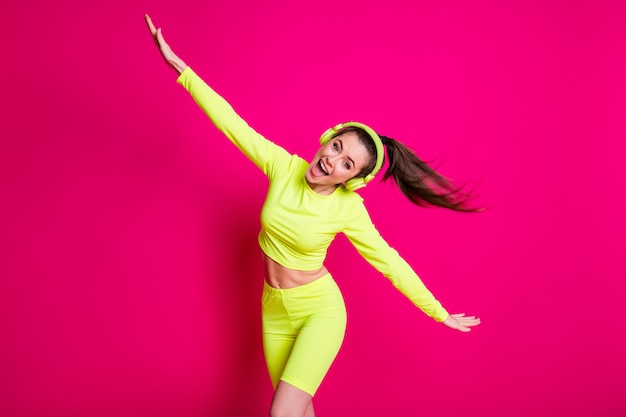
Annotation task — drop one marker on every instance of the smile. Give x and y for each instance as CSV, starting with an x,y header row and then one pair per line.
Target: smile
x,y
323,167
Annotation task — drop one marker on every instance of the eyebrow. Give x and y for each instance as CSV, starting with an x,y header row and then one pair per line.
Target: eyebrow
x,y
347,156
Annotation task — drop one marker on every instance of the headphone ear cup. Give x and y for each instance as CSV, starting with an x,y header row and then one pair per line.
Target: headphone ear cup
x,y
355,184
327,136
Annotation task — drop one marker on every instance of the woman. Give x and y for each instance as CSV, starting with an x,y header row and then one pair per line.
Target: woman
x,y
307,204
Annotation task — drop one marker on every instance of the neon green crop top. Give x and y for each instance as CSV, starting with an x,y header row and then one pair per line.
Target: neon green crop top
x,y
298,224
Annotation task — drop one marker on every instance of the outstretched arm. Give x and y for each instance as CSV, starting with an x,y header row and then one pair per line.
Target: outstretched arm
x,y
268,156
369,243
168,55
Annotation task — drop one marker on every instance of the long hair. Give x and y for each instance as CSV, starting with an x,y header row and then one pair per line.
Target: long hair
x,y
418,181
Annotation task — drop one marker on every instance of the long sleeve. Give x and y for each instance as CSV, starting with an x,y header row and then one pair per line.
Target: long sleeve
x,y
369,243
265,154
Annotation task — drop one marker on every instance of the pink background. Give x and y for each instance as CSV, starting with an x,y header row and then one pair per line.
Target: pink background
x,y
131,277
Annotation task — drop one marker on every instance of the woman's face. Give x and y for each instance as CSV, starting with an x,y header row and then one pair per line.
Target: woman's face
x,y
340,159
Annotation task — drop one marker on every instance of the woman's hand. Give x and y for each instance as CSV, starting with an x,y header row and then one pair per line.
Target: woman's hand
x,y
460,322
169,56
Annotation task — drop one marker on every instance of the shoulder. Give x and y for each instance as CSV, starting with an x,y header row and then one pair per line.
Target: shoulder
x,y
297,164
352,204
284,163
351,196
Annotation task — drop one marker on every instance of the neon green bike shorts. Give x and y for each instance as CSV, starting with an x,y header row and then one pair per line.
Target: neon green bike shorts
x,y
303,329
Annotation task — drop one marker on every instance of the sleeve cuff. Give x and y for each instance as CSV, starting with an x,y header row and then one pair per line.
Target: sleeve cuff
x,y
187,72
441,316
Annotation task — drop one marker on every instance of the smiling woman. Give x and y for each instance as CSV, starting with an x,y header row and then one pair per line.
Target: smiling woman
x,y
304,316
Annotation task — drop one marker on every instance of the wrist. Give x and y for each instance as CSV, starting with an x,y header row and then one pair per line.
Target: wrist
x,y
177,65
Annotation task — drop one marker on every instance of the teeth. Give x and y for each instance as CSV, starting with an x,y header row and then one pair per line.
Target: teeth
x,y
323,167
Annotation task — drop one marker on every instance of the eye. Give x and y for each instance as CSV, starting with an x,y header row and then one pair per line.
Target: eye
x,y
335,146
347,165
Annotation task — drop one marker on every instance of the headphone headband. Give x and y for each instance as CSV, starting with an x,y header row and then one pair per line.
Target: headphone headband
x,y
356,183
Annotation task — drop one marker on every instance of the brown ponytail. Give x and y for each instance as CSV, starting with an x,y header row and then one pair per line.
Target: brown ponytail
x,y
420,183
416,179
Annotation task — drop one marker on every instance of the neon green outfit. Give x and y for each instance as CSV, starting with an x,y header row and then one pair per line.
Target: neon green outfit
x,y
298,224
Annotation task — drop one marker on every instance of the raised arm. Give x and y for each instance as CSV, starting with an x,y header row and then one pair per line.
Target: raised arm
x,y
269,157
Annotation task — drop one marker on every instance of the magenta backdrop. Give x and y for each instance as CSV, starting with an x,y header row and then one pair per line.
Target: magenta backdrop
x,y
130,272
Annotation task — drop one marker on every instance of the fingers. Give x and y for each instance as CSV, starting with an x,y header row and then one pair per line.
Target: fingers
x,y
469,323
464,323
150,25
156,33
465,327
461,317
470,319
458,315
159,38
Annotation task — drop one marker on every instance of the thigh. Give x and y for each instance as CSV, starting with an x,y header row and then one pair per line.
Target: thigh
x,y
279,334
315,350
277,349
290,400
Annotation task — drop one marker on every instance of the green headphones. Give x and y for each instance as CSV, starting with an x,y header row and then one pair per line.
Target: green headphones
x,y
356,183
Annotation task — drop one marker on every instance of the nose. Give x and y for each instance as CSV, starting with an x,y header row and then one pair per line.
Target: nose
x,y
330,160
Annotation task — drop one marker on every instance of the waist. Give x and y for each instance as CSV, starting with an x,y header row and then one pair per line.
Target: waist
x,y
278,276
297,250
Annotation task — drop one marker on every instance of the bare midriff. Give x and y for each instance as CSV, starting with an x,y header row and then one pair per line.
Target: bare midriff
x,y
278,276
